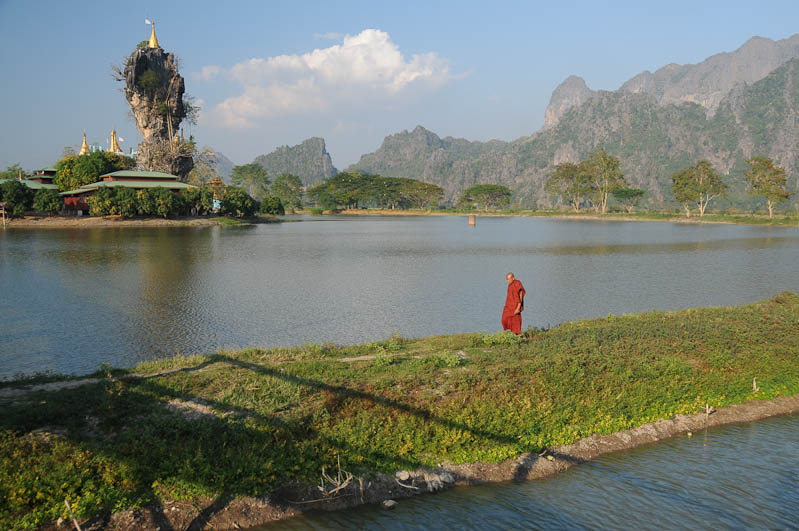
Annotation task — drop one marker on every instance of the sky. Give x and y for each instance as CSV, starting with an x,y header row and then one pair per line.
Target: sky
x,y
269,73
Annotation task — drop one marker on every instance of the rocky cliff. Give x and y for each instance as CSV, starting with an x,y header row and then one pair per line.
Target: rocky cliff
x,y
309,160
706,83
155,89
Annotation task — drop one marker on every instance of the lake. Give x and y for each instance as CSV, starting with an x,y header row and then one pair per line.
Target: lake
x,y
71,299
741,476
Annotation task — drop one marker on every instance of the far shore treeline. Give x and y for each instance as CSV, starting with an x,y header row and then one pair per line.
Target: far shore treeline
x,y
595,184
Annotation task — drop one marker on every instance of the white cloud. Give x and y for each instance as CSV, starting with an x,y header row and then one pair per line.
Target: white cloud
x,y
330,35
208,73
365,69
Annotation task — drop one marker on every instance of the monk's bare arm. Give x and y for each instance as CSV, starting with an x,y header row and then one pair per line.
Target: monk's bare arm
x,y
520,304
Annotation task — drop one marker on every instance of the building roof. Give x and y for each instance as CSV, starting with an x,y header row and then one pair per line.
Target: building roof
x,y
33,185
128,184
48,169
141,174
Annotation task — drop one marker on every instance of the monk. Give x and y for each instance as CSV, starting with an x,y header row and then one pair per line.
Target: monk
x,y
514,305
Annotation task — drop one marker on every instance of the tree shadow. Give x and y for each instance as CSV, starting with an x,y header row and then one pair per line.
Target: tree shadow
x,y
140,433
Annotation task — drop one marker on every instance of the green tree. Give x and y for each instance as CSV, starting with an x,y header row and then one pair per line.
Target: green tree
x,y
17,196
767,180
14,172
288,188
605,174
252,178
697,185
488,195
571,182
75,171
422,194
102,202
272,205
238,202
628,197
47,200
126,202
201,199
145,202
166,202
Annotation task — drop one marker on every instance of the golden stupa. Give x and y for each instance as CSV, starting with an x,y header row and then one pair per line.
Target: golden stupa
x,y
114,144
153,40
84,148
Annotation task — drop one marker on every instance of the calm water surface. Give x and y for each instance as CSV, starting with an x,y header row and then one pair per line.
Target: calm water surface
x,y
70,299
743,476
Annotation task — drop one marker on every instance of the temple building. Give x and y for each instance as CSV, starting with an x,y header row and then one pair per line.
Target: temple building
x,y
75,200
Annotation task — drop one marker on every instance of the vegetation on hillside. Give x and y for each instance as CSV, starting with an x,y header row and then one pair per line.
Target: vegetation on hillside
x,y
243,423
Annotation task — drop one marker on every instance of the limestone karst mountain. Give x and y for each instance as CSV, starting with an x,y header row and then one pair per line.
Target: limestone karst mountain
x,y
155,91
718,110
705,83
308,160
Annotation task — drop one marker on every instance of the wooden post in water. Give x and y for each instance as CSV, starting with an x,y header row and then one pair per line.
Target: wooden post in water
x,y
472,220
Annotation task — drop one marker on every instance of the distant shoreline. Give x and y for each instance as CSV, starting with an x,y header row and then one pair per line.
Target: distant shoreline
x,y
717,219
91,222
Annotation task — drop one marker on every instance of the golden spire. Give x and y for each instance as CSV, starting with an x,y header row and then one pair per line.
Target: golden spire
x,y
114,144
153,40
84,149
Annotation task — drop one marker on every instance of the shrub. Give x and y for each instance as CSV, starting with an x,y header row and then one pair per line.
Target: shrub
x,y
47,200
201,199
317,211
125,202
272,205
167,203
145,202
102,202
238,203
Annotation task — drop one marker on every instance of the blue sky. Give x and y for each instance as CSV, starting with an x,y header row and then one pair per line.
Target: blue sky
x,y
274,73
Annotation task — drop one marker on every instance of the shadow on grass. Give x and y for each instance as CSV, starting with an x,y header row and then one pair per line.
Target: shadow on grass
x,y
231,452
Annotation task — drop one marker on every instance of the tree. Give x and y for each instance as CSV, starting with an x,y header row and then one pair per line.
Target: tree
x,y
767,180
628,197
145,202
488,195
14,172
125,202
47,200
201,199
571,182
288,188
166,202
17,196
252,177
605,176
272,205
75,171
698,185
421,194
102,202
238,203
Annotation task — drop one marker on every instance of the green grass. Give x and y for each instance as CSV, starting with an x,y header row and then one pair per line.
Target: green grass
x,y
282,414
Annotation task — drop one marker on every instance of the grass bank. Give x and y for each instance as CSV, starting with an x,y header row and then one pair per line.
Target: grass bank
x,y
200,430
790,220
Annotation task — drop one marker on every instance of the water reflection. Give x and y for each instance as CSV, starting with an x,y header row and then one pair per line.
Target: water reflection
x,y
73,298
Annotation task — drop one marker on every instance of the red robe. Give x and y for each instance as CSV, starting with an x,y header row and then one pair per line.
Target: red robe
x,y
511,321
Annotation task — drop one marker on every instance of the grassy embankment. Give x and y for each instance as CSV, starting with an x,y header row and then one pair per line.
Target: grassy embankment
x,y
242,423
739,219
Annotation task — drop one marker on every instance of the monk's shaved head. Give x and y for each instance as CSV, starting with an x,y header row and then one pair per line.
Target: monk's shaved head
x,y
509,277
